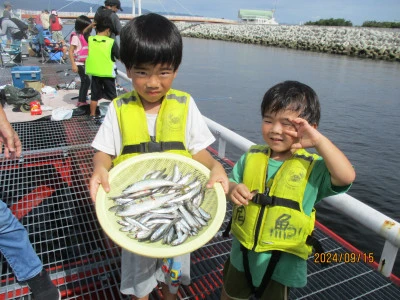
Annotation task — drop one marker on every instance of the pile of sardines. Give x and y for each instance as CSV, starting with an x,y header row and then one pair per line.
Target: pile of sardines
x,y
162,207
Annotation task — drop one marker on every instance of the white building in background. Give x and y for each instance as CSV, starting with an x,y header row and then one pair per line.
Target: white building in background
x,y
252,16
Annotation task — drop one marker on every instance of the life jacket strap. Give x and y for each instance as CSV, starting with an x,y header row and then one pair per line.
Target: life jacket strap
x,y
227,230
150,147
315,243
265,199
257,292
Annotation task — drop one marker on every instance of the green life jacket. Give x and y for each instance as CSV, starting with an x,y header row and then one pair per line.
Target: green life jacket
x,y
98,61
170,125
274,219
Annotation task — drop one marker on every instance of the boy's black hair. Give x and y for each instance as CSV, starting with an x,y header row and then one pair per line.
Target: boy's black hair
x,y
150,39
294,96
103,20
81,23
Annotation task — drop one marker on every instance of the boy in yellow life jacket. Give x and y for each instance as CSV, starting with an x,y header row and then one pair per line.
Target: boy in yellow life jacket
x,y
152,114
274,188
103,52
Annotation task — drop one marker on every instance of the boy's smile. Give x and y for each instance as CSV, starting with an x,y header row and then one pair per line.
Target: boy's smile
x,y
152,82
274,127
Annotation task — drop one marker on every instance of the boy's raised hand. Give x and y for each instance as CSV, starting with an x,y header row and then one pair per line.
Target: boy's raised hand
x,y
307,135
100,176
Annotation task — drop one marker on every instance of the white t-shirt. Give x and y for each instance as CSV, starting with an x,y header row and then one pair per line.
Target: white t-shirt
x,y
198,136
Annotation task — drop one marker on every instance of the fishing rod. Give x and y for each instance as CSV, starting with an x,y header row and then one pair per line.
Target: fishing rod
x,y
84,14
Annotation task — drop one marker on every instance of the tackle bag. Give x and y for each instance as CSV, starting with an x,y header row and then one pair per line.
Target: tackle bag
x,y
23,28
21,98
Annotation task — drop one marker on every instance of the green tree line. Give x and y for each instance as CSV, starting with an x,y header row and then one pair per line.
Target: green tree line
x,y
330,22
343,22
381,24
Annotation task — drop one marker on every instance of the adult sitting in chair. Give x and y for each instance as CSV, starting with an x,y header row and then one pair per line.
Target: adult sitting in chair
x,y
57,47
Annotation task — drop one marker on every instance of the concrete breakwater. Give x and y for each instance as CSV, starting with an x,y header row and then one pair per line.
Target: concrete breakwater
x,y
353,41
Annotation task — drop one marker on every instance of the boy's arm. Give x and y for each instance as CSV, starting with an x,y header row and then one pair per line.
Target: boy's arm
x,y
340,168
217,174
101,164
115,52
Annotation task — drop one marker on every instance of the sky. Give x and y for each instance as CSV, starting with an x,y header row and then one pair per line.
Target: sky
x,y
286,11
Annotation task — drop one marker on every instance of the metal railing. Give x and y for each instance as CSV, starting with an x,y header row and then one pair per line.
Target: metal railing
x,y
372,219
175,18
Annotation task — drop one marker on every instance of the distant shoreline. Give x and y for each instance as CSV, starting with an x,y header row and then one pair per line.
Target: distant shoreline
x,y
371,43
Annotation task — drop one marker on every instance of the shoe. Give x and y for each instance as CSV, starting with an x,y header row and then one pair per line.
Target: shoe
x,y
43,288
94,118
81,104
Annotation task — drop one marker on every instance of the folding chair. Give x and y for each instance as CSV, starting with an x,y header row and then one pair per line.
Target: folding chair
x,y
10,55
52,51
36,42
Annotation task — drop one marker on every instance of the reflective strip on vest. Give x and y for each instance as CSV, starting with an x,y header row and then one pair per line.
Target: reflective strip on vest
x,y
275,227
170,124
99,62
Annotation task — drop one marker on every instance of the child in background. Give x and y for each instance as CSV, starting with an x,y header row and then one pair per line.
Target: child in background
x,y
100,63
274,188
151,50
58,47
78,51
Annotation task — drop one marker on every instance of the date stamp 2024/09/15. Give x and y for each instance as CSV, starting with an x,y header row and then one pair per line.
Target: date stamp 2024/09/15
x,y
345,257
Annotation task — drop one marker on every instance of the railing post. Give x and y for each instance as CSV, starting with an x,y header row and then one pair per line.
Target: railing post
x,y
221,145
388,258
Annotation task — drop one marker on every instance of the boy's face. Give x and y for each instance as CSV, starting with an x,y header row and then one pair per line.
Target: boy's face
x,y
273,130
152,82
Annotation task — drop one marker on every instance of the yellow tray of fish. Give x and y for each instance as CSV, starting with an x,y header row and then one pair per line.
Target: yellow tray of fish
x,y
133,173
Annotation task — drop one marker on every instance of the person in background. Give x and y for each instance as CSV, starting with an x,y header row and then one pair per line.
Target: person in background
x,y
57,46
45,19
14,240
114,6
11,30
56,26
7,14
100,63
274,188
151,50
7,10
78,51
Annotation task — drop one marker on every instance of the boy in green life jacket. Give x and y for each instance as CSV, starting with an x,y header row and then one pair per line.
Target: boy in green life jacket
x,y
274,188
103,51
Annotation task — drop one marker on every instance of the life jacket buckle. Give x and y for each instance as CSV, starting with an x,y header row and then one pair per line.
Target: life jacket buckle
x,y
150,147
263,199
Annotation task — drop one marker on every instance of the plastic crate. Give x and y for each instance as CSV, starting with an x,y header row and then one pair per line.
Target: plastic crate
x,y
20,74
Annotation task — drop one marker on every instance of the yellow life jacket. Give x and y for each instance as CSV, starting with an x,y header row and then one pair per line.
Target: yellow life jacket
x,y
274,219
170,125
98,61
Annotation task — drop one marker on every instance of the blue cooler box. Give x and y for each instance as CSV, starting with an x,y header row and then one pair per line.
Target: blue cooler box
x,y
20,74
